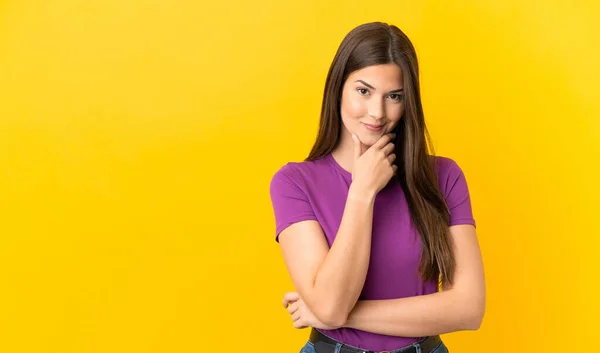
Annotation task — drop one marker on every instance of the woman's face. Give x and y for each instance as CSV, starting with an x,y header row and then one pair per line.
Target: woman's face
x,y
372,102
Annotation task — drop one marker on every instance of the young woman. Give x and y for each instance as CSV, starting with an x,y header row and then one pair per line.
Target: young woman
x,y
377,234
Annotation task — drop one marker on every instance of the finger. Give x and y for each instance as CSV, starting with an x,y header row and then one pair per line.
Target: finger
x,y
389,148
290,297
357,147
299,324
395,169
391,158
295,316
293,308
383,140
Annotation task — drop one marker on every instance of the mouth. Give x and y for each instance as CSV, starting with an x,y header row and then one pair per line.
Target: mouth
x,y
373,127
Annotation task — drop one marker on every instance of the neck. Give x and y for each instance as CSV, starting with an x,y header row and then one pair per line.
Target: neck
x,y
344,151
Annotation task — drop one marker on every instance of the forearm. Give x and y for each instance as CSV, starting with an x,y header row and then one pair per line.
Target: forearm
x,y
418,316
342,274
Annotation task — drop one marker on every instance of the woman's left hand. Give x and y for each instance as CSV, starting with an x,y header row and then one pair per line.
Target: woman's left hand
x,y
301,314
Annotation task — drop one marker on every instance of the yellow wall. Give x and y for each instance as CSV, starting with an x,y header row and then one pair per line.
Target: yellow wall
x,y
138,139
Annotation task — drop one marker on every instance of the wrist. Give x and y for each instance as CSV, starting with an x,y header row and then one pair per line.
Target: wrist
x,y
359,193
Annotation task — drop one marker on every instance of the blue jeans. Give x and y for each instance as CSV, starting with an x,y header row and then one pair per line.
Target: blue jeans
x,y
310,348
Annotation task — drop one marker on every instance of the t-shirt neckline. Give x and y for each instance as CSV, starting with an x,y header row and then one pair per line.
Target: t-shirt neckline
x,y
336,165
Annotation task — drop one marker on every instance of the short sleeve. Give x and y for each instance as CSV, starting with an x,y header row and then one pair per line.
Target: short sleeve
x,y
289,200
457,196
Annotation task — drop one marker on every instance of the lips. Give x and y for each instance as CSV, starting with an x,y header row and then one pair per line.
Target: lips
x,y
373,127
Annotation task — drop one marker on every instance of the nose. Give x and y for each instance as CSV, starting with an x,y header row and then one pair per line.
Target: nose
x,y
376,108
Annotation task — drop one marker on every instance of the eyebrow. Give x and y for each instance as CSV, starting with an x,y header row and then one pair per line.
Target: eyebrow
x,y
373,88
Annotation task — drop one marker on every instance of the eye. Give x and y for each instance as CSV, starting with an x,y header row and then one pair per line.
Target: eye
x,y
396,97
362,91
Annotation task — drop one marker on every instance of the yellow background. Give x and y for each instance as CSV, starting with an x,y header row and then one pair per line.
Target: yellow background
x,y
138,139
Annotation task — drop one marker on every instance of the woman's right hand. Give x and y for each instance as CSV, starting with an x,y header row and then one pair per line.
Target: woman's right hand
x,y
373,168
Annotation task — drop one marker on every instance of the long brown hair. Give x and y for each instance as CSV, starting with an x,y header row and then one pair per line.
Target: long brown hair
x,y
379,43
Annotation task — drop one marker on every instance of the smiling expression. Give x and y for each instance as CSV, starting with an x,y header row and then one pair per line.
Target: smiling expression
x,y
372,102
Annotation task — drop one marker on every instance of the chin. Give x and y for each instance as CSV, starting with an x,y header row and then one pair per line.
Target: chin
x,y
369,139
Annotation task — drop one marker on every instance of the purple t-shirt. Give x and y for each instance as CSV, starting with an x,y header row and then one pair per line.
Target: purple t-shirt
x,y
317,190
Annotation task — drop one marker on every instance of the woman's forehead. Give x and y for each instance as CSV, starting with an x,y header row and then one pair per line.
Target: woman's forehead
x,y
383,75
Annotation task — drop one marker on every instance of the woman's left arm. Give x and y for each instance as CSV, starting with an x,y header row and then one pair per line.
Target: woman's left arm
x,y
458,307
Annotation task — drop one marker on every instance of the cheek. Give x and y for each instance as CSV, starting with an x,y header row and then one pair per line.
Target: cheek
x,y
395,112
395,116
353,108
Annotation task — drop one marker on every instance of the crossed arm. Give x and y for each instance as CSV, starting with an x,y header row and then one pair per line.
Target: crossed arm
x,y
458,307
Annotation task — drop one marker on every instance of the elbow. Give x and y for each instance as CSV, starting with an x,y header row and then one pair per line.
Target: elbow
x,y
475,317
330,309
474,323
332,315
336,321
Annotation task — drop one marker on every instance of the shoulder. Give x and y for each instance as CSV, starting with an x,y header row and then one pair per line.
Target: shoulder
x,y
449,172
298,173
446,166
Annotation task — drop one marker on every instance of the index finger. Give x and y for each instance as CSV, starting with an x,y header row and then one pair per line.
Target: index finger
x,y
288,298
384,140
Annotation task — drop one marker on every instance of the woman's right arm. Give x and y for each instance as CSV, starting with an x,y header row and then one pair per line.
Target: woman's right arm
x,y
331,280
